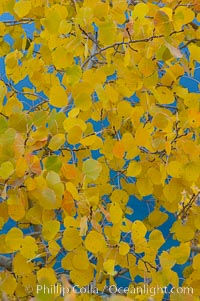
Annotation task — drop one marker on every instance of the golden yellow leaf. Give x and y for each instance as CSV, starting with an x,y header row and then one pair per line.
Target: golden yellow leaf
x,y
95,242
22,8
58,96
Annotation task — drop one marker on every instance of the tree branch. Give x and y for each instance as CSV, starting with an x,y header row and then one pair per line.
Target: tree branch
x,y
5,262
195,249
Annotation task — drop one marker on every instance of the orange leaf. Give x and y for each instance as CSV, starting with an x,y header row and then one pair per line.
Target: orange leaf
x,y
119,149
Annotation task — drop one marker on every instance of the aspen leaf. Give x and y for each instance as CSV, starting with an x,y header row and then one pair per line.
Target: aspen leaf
x,y
144,186
156,239
140,11
67,261
8,283
69,171
194,52
115,213
57,141
106,32
29,247
54,247
95,242
64,27
6,170
157,218
191,171
81,277
74,134
180,253
14,238
138,229
134,169
71,239
68,202
109,267
72,189
22,8
92,169
20,265
160,121
3,91
21,167
80,260
183,15
58,96
124,248
48,199
196,262
175,169
118,149
47,276
166,260
93,141
50,229
53,163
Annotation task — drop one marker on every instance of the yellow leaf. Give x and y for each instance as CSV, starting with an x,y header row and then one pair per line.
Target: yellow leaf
x,y
107,32
8,283
166,260
3,91
156,239
175,169
196,262
163,95
58,96
80,260
115,213
91,169
54,247
95,242
56,142
123,248
109,267
138,230
61,58
50,229
194,52
160,120
140,11
183,15
181,253
134,169
48,199
21,267
29,247
22,8
93,141
144,186
147,67
64,27
71,239
72,189
157,218
6,170
82,277
16,208
21,167
14,239
46,276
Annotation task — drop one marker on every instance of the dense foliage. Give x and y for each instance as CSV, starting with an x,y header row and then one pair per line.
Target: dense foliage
x,y
93,120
